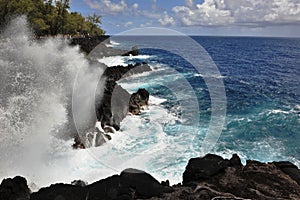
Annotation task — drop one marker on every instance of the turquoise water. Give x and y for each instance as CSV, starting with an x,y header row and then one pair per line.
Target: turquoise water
x,y
261,78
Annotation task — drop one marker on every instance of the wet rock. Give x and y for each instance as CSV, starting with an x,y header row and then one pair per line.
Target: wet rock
x,y
137,100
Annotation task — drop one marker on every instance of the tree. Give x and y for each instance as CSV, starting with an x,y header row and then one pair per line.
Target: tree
x,y
50,17
94,22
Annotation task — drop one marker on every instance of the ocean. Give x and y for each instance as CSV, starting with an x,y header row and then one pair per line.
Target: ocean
x,y
219,95
261,78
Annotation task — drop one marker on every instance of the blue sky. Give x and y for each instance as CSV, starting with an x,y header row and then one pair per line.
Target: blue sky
x,y
198,17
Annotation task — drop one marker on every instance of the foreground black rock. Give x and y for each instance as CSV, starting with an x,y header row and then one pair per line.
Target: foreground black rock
x,y
16,188
209,177
130,184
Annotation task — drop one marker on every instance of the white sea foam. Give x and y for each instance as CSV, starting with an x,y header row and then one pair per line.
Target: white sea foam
x,y
113,44
209,76
121,60
156,101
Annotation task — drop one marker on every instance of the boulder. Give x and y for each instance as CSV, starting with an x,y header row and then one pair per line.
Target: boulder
x,y
14,189
130,184
137,100
235,161
200,169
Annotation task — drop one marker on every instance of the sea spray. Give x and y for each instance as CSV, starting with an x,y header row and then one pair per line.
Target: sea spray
x,y
36,83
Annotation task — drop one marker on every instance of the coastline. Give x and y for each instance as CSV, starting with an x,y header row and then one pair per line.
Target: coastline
x,y
207,178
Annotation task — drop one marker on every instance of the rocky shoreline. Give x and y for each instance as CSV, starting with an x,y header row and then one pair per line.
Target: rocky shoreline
x,y
116,102
208,177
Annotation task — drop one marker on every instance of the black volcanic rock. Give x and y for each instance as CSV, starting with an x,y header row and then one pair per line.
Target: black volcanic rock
x,y
235,161
115,73
130,184
101,50
212,176
60,192
137,100
290,169
199,169
87,44
14,189
116,101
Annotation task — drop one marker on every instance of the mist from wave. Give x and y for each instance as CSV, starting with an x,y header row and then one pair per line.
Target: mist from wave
x,y
37,79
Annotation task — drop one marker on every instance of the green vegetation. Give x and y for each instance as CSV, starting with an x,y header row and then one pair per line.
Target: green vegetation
x,y
51,17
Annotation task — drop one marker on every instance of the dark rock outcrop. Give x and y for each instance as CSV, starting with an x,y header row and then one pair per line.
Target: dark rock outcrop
x,y
204,168
138,100
14,189
116,102
101,50
130,184
87,44
60,191
290,169
208,177
97,47
217,176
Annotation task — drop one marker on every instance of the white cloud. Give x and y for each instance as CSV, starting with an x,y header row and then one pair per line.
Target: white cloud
x,y
189,3
242,12
107,6
147,24
135,6
166,20
127,24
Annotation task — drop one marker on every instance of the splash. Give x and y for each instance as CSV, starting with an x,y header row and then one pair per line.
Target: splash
x,y
36,84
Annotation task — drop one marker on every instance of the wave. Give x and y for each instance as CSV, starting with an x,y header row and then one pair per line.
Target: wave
x,y
122,60
37,79
209,76
113,44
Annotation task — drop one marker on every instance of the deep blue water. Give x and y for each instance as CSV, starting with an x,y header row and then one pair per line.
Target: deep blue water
x,y
261,78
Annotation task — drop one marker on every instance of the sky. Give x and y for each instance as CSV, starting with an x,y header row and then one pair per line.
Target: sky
x,y
276,18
